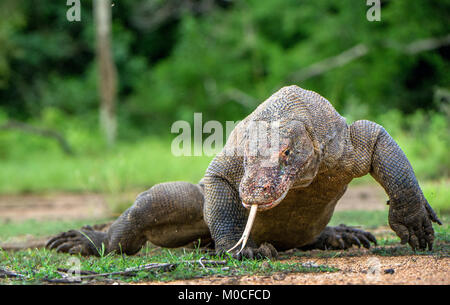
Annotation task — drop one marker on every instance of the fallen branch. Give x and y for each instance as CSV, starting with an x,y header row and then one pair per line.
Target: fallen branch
x,y
4,273
131,271
39,131
87,272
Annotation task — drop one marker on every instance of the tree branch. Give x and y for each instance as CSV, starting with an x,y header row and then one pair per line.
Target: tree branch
x,y
361,50
39,131
330,63
423,45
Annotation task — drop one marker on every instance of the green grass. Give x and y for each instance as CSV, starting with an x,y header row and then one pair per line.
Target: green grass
x,y
363,219
424,138
9,229
40,265
35,164
438,195
125,167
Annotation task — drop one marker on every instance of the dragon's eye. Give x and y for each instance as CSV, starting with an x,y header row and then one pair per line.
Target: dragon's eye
x,y
286,152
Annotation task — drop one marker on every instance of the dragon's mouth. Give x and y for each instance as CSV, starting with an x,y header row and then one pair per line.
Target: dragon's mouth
x,y
251,218
268,205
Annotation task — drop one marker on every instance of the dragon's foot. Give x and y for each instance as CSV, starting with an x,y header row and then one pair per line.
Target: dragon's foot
x,y
265,250
342,237
84,242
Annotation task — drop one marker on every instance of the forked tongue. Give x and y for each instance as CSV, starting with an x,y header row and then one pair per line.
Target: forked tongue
x,y
248,227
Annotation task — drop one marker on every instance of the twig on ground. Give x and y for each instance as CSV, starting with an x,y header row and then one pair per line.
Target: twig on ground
x,y
82,272
132,271
4,273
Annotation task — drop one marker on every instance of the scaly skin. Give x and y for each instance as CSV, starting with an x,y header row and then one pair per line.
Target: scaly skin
x,y
167,215
296,185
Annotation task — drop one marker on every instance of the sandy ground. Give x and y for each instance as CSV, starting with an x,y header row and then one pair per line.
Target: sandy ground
x,y
52,207
366,269
362,269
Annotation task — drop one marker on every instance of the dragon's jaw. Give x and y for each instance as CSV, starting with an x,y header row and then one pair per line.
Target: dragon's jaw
x,y
269,205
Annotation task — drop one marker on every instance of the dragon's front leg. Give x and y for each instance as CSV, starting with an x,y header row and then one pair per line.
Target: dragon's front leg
x,y
410,214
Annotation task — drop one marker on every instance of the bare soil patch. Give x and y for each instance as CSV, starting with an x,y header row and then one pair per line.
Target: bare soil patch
x,y
56,206
63,206
363,270
363,197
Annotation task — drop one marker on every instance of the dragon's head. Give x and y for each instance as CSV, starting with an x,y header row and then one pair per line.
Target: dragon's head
x,y
286,159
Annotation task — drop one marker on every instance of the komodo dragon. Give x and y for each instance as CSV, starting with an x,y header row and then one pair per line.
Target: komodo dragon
x,y
316,157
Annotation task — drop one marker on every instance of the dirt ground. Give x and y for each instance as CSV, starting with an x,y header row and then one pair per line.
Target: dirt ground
x,y
361,269
366,269
64,206
59,206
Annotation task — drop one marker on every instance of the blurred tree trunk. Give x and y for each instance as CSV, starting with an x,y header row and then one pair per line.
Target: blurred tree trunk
x,y
107,75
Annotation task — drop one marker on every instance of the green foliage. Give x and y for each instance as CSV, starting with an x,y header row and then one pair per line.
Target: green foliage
x,y
128,167
437,194
222,62
425,139
364,219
